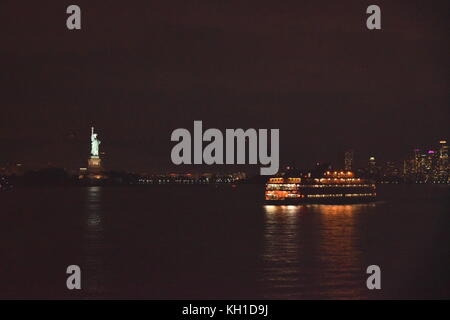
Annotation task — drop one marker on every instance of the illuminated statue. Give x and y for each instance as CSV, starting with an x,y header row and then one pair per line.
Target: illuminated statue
x,y
95,143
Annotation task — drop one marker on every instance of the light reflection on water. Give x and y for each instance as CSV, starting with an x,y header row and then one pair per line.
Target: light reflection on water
x,y
93,266
313,251
208,243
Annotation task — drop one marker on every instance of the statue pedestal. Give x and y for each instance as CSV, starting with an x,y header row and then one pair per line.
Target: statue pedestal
x,y
94,165
94,170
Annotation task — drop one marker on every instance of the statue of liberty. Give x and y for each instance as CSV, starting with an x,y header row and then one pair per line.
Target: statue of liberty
x,y
95,144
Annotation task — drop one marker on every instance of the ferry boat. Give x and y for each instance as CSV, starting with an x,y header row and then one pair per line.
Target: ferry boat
x,y
330,187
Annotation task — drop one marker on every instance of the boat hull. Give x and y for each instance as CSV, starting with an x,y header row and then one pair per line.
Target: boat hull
x,y
344,200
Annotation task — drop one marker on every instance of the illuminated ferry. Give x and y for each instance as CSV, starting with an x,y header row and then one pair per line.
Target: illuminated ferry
x,y
330,187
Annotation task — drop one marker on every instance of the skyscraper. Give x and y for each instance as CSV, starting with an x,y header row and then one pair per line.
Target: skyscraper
x,y
348,160
443,160
372,162
371,167
416,161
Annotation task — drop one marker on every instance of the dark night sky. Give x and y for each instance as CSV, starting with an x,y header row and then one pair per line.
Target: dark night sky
x,y
140,69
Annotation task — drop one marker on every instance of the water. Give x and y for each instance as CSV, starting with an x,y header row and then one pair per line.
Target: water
x,y
215,242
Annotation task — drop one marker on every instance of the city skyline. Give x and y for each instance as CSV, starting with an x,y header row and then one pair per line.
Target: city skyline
x,y
422,164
